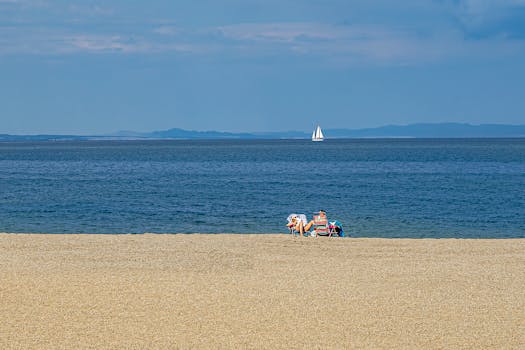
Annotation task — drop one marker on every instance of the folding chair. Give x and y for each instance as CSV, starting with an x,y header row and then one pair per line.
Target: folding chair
x,y
321,227
335,228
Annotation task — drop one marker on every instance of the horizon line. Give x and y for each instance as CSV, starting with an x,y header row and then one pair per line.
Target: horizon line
x,y
254,133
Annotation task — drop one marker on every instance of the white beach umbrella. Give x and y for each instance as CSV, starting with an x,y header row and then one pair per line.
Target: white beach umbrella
x,y
301,217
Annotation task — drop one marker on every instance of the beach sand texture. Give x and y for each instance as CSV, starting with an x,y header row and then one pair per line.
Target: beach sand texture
x,y
259,292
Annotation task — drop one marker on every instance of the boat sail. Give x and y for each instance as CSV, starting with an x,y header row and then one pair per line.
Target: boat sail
x,y
317,135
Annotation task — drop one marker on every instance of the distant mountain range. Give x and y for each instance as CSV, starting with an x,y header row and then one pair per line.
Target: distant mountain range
x,y
440,130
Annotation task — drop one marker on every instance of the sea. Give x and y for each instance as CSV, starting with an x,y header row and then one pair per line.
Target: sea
x,y
461,188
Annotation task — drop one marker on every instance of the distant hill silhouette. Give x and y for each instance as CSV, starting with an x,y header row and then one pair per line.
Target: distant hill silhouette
x,y
423,130
432,130
191,134
439,130
6,137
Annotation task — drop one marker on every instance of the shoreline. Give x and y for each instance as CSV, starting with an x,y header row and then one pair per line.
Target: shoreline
x,y
214,291
258,234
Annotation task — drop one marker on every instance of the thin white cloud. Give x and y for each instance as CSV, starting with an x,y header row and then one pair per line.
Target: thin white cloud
x,y
280,32
359,43
90,10
329,42
351,42
477,7
98,43
117,43
167,30
37,41
477,12
26,3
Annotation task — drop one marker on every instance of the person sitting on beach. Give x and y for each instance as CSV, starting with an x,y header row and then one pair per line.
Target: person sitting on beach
x,y
322,216
297,222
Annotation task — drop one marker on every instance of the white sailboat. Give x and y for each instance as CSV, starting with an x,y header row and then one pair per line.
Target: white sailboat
x,y
317,135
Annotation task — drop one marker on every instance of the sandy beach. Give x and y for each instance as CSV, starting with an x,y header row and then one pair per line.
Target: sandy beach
x,y
259,292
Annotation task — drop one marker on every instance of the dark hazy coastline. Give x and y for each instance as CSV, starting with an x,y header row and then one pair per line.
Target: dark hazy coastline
x,y
424,130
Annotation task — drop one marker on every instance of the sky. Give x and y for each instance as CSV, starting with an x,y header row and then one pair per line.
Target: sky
x,y
96,67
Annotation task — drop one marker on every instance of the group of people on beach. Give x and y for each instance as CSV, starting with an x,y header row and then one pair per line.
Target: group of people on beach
x,y
298,223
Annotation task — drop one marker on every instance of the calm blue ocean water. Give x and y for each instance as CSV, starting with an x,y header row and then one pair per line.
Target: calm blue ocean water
x,y
376,188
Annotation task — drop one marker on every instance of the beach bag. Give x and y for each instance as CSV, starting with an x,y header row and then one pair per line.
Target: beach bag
x,y
337,228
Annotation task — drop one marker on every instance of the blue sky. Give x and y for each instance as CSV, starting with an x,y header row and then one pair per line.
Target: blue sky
x,y
93,67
